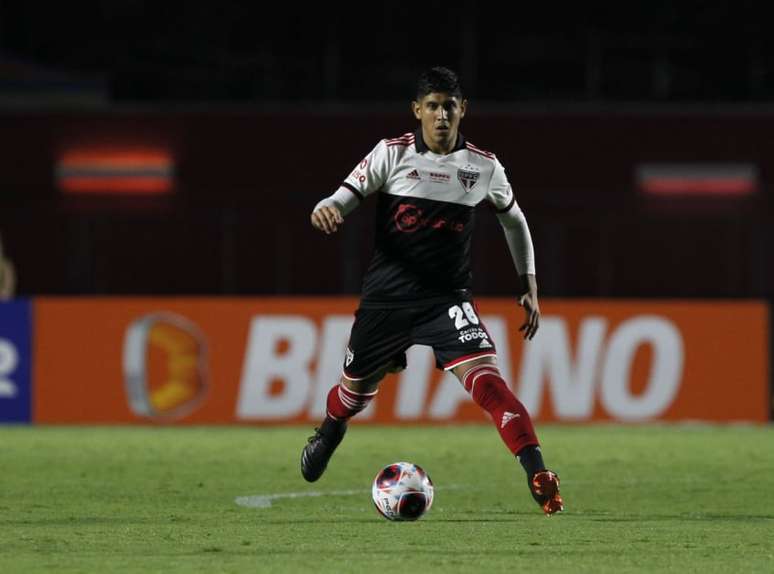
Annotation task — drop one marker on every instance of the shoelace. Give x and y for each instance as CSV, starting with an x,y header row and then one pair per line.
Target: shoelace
x,y
317,434
536,485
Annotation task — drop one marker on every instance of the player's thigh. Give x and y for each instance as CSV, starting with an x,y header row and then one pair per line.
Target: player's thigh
x,y
456,333
378,338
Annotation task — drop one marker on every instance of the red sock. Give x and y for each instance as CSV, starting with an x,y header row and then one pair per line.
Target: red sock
x,y
490,392
344,403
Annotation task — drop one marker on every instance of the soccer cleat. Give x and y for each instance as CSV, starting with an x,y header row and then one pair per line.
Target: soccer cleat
x,y
544,487
318,451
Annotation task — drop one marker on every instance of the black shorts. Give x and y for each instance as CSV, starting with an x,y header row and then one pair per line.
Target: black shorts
x,y
379,336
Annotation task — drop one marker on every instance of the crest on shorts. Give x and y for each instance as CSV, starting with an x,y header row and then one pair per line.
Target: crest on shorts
x,y
468,177
350,356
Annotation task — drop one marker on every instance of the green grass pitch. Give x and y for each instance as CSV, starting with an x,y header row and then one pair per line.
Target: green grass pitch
x,y
638,499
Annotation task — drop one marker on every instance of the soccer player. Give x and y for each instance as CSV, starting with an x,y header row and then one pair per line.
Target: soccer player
x,y
417,287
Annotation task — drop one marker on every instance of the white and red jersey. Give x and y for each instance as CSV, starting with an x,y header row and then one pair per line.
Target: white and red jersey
x,y
424,217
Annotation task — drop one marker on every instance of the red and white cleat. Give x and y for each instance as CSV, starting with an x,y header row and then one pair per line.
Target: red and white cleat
x,y
545,490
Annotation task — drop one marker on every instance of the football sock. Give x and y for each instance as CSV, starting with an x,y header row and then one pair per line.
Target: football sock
x,y
512,420
344,403
531,459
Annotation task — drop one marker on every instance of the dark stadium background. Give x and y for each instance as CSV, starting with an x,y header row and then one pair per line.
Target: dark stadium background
x,y
264,109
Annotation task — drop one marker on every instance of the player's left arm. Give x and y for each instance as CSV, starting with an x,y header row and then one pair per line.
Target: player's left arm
x,y
519,240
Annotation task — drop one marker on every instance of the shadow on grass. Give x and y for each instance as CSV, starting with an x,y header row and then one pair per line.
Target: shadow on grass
x,y
382,521
81,521
714,517
327,553
521,517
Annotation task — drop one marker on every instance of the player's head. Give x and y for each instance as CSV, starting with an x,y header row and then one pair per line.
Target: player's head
x,y
439,106
439,80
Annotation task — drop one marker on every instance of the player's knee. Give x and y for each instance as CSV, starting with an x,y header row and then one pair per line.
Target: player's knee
x,y
478,372
366,385
487,387
492,395
494,387
462,371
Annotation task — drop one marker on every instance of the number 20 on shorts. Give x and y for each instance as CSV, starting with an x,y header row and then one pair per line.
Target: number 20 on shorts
x,y
459,315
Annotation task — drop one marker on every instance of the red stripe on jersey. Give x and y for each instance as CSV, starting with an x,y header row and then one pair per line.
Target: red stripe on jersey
x,y
408,136
474,149
402,141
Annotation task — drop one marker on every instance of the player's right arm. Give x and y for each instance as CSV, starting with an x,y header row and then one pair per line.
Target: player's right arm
x,y
367,177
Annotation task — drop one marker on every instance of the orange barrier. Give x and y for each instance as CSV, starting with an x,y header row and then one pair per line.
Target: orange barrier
x,y
272,360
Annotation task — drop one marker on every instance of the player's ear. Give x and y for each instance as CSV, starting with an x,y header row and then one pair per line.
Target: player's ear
x,y
416,108
463,107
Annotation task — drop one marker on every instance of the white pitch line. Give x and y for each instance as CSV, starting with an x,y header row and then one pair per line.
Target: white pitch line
x,y
265,500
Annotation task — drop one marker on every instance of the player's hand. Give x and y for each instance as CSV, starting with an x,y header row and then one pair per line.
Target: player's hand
x,y
327,219
532,310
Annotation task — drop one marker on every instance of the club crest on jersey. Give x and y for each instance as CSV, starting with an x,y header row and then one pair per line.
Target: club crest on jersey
x,y
468,177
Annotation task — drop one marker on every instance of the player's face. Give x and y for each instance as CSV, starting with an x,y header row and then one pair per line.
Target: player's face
x,y
440,115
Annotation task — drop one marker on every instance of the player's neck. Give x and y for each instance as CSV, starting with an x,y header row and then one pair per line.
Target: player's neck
x,y
440,147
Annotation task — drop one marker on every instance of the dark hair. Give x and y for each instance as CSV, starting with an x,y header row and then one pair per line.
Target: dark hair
x,y
440,80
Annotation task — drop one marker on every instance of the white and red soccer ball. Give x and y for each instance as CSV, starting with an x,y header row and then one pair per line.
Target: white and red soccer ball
x,y
402,491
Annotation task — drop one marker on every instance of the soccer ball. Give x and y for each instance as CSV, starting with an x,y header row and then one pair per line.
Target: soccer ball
x,y
402,491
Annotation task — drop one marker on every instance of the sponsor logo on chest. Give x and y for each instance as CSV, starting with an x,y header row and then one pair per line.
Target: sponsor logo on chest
x,y
439,177
434,176
409,218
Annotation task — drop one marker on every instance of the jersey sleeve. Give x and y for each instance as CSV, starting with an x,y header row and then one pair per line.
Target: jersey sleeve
x,y
367,177
500,194
517,235
371,173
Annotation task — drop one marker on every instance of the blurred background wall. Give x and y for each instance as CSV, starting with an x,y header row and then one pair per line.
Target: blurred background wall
x,y
638,138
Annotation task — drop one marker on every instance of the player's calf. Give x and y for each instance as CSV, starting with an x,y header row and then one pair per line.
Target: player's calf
x,y
489,390
344,403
